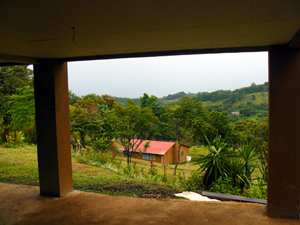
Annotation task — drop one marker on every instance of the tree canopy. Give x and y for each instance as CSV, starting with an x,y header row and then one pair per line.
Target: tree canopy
x,y
133,125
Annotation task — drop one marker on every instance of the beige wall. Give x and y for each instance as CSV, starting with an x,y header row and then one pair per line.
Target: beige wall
x,y
169,156
182,149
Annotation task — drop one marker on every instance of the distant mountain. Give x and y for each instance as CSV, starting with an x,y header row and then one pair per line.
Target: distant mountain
x,y
124,101
249,101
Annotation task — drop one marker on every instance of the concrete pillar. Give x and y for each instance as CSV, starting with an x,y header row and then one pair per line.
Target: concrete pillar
x,y
284,132
53,127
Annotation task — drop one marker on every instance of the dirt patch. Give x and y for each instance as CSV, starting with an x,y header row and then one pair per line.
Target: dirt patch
x,y
141,190
23,205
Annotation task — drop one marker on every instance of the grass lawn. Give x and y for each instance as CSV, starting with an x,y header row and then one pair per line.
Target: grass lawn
x,y
185,169
19,166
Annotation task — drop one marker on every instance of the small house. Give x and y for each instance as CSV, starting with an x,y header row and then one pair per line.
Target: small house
x,y
162,152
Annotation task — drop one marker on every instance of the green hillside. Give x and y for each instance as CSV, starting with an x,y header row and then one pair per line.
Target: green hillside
x,y
260,98
250,102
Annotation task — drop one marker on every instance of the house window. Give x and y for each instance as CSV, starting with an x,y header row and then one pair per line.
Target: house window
x,y
182,153
145,156
152,157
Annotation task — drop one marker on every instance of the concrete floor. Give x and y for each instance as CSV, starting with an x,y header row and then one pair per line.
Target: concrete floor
x,y
20,204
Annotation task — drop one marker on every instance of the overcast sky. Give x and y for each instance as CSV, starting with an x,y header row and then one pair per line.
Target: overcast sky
x,y
161,76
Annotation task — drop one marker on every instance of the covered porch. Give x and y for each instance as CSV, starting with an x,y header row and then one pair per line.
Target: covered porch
x,y
21,204
48,34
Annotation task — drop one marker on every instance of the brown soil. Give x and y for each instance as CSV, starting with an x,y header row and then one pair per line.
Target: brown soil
x,y
142,190
20,204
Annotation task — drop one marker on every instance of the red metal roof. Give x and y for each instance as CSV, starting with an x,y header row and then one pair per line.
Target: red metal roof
x,y
156,147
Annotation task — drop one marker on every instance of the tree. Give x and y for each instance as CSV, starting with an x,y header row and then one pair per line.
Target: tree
x,y
73,98
22,108
260,141
134,125
107,100
12,79
147,101
162,131
218,125
94,118
247,111
185,117
257,134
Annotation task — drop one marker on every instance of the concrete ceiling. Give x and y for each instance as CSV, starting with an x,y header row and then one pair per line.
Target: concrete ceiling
x,y
33,29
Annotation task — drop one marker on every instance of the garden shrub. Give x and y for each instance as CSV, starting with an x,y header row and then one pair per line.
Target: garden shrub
x,y
256,191
192,183
128,170
101,144
30,134
14,139
225,186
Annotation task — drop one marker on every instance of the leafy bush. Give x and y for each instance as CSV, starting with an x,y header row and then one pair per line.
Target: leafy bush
x,y
193,183
225,186
14,139
101,144
256,191
30,134
128,170
152,171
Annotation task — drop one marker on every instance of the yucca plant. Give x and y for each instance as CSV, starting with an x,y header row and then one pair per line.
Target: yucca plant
x,y
250,156
237,172
216,162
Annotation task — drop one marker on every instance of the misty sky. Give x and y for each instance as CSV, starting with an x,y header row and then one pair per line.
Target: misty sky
x,y
161,76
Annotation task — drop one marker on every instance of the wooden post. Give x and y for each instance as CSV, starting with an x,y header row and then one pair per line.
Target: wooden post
x,y
53,127
284,132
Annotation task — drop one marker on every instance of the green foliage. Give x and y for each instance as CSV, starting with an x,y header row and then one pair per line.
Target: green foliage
x,y
101,144
176,96
224,162
73,98
133,125
225,186
94,117
22,108
256,191
247,111
218,125
12,80
30,134
249,155
260,142
237,172
192,183
256,133
231,95
185,118
152,171
91,156
147,101
14,139
124,101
